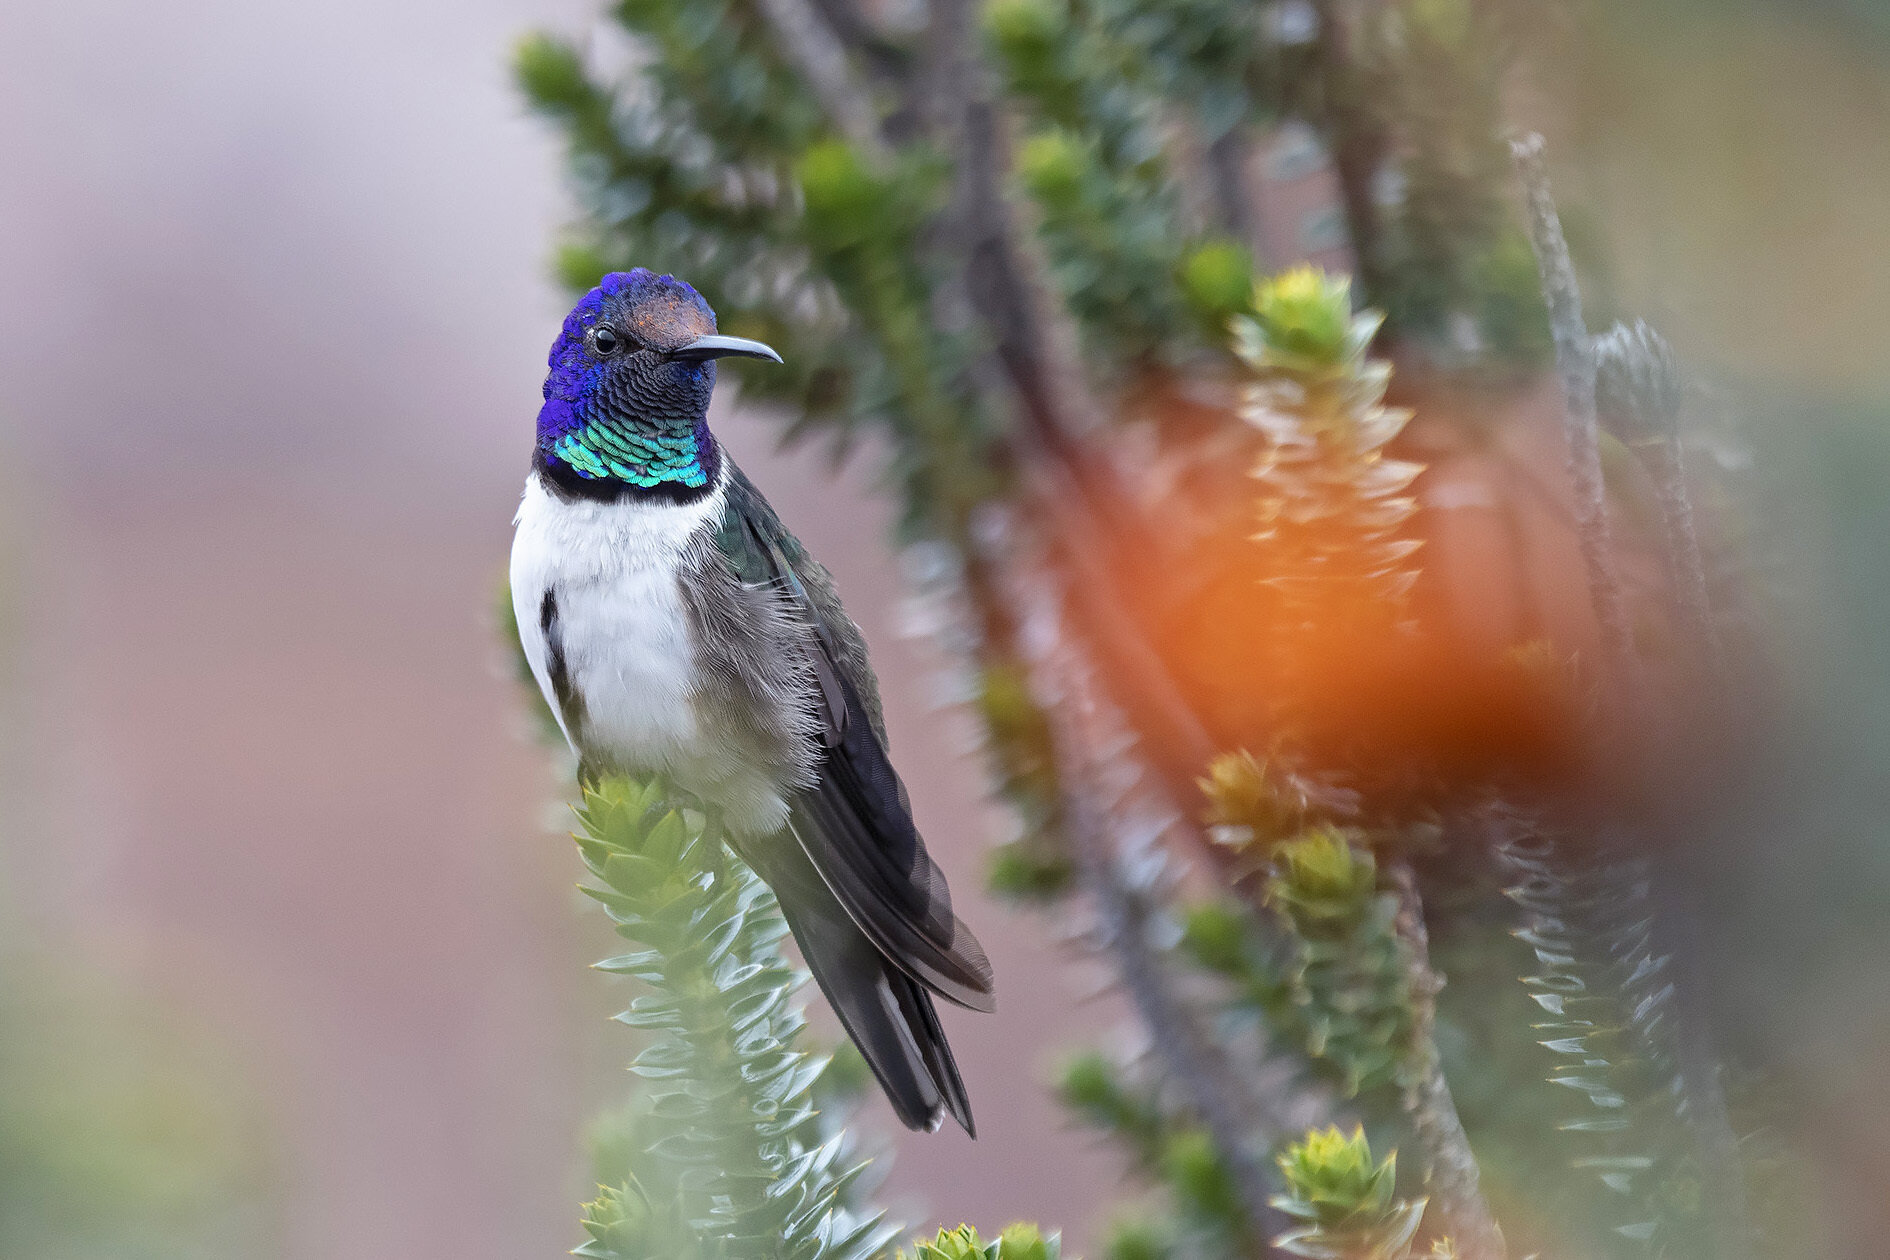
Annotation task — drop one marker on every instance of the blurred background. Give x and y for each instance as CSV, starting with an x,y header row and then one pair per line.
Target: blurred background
x,y
294,964
290,960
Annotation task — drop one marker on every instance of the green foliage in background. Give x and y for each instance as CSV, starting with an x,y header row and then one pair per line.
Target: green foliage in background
x,y
1461,274
1022,762
1167,1148
1094,165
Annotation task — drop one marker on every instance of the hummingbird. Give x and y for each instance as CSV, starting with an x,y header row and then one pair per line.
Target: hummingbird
x,y
676,626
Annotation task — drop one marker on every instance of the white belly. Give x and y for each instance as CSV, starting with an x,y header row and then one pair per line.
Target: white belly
x,y
627,645
625,634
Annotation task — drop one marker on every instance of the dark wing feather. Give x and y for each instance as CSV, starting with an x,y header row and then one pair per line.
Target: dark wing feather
x,y
884,1011
864,900
855,822
855,826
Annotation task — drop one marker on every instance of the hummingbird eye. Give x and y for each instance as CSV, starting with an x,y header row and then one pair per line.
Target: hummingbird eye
x,y
605,342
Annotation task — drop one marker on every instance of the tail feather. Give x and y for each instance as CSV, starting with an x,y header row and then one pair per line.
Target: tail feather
x,y
890,1018
922,1019
886,1013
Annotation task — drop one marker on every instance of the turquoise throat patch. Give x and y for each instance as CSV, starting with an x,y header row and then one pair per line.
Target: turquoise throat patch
x,y
610,449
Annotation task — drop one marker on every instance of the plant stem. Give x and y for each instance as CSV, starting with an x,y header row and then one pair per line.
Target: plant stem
x,y
1116,817
1226,160
1639,391
811,45
1035,347
1357,140
1450,1167
1685,569
1575,361
1701,1096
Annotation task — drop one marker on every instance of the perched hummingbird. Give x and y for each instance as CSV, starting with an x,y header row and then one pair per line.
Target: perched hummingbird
x,y
676,626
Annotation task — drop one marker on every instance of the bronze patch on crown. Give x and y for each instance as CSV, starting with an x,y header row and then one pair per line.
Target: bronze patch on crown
x,y
671,319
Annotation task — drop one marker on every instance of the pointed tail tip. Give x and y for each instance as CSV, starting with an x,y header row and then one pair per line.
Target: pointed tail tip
x,y
961,1115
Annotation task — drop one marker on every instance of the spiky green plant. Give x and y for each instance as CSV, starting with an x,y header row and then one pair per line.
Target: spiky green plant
x,y
1348,978
1334,976
1017,1242
1253,802
1095,169
1165,1146
1606,1002
1333,506
1346,1203
722,1161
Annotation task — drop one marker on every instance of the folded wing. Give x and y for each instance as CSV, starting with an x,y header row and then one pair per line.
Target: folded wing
x,y
868,905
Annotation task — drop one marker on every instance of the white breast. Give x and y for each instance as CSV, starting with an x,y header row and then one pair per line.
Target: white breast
x,y
623,627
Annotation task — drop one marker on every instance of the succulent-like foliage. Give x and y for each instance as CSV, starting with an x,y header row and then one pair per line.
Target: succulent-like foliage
x,y
1095,1089
1139,1240
723,1161
1029,869
1095,168
1025,1241
1256,801
1606,998
1243,802
1335,978
1322,881
1112,245
1165,1147
1220,936
1216,60
1348,978
1217,280
1017,1242
865,231
1452,239
1345,1202
1332,505
1022,761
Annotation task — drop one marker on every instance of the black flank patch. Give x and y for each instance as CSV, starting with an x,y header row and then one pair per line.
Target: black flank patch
x,y
570,703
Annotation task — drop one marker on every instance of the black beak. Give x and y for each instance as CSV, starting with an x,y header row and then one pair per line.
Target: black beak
x,y
714,347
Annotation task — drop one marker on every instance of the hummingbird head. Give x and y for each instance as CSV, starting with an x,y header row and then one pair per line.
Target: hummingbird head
x,y
627,396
